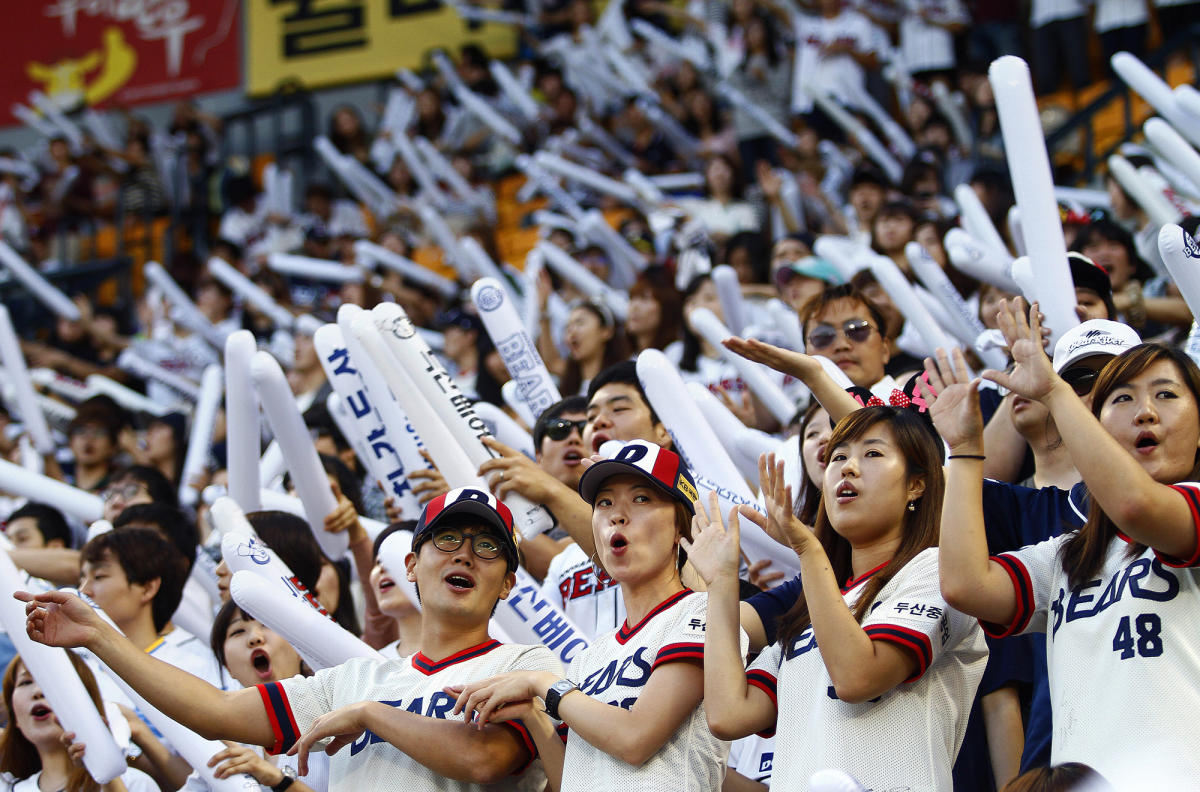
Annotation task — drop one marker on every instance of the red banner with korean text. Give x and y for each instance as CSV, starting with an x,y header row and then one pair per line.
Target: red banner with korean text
x,y
105,53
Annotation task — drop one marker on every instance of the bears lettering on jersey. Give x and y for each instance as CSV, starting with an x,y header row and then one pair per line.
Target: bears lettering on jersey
x,y
438,706
633,671
1144,578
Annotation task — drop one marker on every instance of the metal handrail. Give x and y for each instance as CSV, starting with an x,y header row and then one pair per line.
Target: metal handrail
x,y
1186,40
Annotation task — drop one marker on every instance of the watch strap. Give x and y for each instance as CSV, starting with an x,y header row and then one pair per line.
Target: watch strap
x,y
554,696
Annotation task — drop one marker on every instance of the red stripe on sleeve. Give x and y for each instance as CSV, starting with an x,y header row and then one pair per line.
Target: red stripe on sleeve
x,y
917,643
1023,588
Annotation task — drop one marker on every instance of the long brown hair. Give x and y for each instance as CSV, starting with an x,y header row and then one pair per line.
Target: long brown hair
x,y
1083,554
18,755
658,287
616,348
809,497
923,455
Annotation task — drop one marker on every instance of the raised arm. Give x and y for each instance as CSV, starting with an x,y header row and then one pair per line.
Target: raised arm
x,y
1147,511
859,667
512,471
56,618
970,580
734,708
803,367
1006,448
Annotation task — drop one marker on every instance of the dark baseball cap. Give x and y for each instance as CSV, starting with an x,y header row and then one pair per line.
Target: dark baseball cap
x,y
662,467
470,502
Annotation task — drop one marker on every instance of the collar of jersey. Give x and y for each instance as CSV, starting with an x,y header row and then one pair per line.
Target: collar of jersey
x,y
626,632
427,666
852,582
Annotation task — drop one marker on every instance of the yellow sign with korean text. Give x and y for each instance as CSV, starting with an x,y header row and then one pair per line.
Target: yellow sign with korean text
x,y
316,43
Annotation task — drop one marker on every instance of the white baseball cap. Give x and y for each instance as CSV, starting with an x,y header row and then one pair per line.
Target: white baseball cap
x,y
1093,337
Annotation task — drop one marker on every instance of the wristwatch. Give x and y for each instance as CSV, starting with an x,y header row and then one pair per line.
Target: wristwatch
x,y
554,695
289,778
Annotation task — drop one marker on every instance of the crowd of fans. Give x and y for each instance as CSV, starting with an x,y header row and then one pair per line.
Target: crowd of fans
x,y
708,135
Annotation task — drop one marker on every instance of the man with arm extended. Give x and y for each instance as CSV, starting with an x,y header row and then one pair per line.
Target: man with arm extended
x,y
390,721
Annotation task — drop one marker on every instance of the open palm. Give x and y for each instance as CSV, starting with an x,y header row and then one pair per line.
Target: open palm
x,y
713,550
953,398
797,364
1032,375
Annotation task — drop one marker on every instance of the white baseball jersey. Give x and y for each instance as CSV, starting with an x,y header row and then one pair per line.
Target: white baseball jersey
x,y
753,757
587,595
839,75
908,737
1123,657
925,46
614,669
414,684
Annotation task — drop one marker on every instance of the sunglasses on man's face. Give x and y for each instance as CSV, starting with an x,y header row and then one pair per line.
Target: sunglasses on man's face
x,y
856,331
1081,380
560,428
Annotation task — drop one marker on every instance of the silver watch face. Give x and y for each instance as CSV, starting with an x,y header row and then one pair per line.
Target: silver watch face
x,y
563,686
288,772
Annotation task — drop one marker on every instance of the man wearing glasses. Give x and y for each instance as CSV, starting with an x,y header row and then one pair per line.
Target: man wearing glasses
x,y
390,722
841,324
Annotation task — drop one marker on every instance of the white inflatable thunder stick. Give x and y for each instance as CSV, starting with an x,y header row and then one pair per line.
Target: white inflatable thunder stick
x,y
250,292
13,361
17,481
129,360
243,437
299,454
516,348
1174,148
400,432
248,553
450,460
314,268
565,265
200,439
321,641
46,293
939,285
1181,253
380,441
972,258
1034,190
905,297
452,408
1014,230
755,375
505,429
124,396
60,684
729,292
978,223
586,176
728,428
1155,90
392,552
406,267
708,461
513,400
1160,210
183,310
787,323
